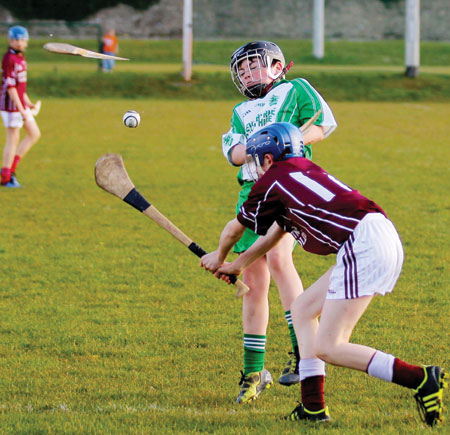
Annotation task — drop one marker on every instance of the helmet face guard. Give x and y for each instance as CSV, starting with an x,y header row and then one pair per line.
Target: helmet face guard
x,y
281,139
254,166
261,55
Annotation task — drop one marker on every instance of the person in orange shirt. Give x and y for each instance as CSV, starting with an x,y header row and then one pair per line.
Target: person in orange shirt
x,y
111,47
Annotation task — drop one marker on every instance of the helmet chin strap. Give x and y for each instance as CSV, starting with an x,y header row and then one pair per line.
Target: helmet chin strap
x,y
283,73
15,51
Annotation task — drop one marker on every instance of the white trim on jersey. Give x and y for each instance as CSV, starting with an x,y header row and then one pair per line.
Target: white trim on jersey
x,y
335,214
314,232
309,229
10,81
335,224
288,193
328,122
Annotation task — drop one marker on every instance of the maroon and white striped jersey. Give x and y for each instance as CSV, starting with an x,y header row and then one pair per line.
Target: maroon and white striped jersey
x,y
320,211
14,74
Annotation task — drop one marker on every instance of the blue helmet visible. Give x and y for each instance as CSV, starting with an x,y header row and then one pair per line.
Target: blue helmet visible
x,y
281,139
18,32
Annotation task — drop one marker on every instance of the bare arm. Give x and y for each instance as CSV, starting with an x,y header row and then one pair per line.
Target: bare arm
x,y
231,233
257,250
238,154
13,94
314,134
28,101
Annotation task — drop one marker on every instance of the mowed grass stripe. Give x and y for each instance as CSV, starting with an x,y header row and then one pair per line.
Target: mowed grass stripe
x,y
108,324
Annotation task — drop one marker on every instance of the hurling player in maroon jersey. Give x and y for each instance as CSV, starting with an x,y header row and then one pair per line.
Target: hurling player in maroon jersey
x,y
325,216
15,106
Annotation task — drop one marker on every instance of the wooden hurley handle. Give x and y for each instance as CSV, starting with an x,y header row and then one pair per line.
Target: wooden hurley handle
x,y
111,175
308,124
165,223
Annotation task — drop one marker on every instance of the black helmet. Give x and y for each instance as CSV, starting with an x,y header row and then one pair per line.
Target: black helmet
x,y
266,53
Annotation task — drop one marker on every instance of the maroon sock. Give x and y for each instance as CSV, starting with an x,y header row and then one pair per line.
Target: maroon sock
x,y
6,175
15,163
313,393
407,375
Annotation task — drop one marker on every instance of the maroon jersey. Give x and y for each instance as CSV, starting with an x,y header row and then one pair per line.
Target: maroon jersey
x,y
320,211
14,75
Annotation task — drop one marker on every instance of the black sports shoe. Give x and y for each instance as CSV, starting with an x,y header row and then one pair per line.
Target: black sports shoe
x,y
429,394
290,374
301,413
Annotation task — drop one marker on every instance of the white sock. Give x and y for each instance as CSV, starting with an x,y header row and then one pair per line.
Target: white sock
x,y
311,367
381,366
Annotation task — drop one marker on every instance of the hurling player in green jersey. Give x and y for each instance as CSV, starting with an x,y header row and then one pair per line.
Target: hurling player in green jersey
x,y
258,70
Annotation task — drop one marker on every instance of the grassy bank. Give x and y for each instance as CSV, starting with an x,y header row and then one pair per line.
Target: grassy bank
x,y
335,86
351,71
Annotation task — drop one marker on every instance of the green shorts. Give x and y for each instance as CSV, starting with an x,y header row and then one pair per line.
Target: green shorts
x,y
249,237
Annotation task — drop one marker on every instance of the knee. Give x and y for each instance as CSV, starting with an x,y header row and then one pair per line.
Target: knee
x,y
259,289
323,352
256,294
300,309
326,350
254,282
278,261
36,135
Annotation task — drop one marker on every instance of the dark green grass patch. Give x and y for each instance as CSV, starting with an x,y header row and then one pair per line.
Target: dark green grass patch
x,y
351,71
336,86
108,324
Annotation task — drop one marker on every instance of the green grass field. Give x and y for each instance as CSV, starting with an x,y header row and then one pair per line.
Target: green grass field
x,y
109,325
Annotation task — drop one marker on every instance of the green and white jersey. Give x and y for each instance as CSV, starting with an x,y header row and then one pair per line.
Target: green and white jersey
x,y
294,101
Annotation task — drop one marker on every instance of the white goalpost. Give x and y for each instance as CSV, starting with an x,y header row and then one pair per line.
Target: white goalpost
x,y
318,28
412,38
411,34
187,40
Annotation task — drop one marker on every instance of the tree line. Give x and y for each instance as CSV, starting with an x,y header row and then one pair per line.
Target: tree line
x,y
67,10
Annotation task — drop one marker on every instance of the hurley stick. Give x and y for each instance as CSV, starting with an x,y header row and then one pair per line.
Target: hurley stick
x,y
111,175
308,124
62,48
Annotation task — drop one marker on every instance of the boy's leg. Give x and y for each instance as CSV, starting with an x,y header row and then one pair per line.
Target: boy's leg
x,y
255,317
338,319
327,342
31,137
12,139
331,344
285,275
428,382
305,311
33,134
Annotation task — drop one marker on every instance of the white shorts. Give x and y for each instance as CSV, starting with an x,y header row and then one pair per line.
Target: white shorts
x,y
369,262
15,119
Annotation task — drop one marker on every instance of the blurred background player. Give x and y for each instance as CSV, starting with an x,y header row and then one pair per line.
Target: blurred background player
x,y
258,70
326,217
110,45
15,106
